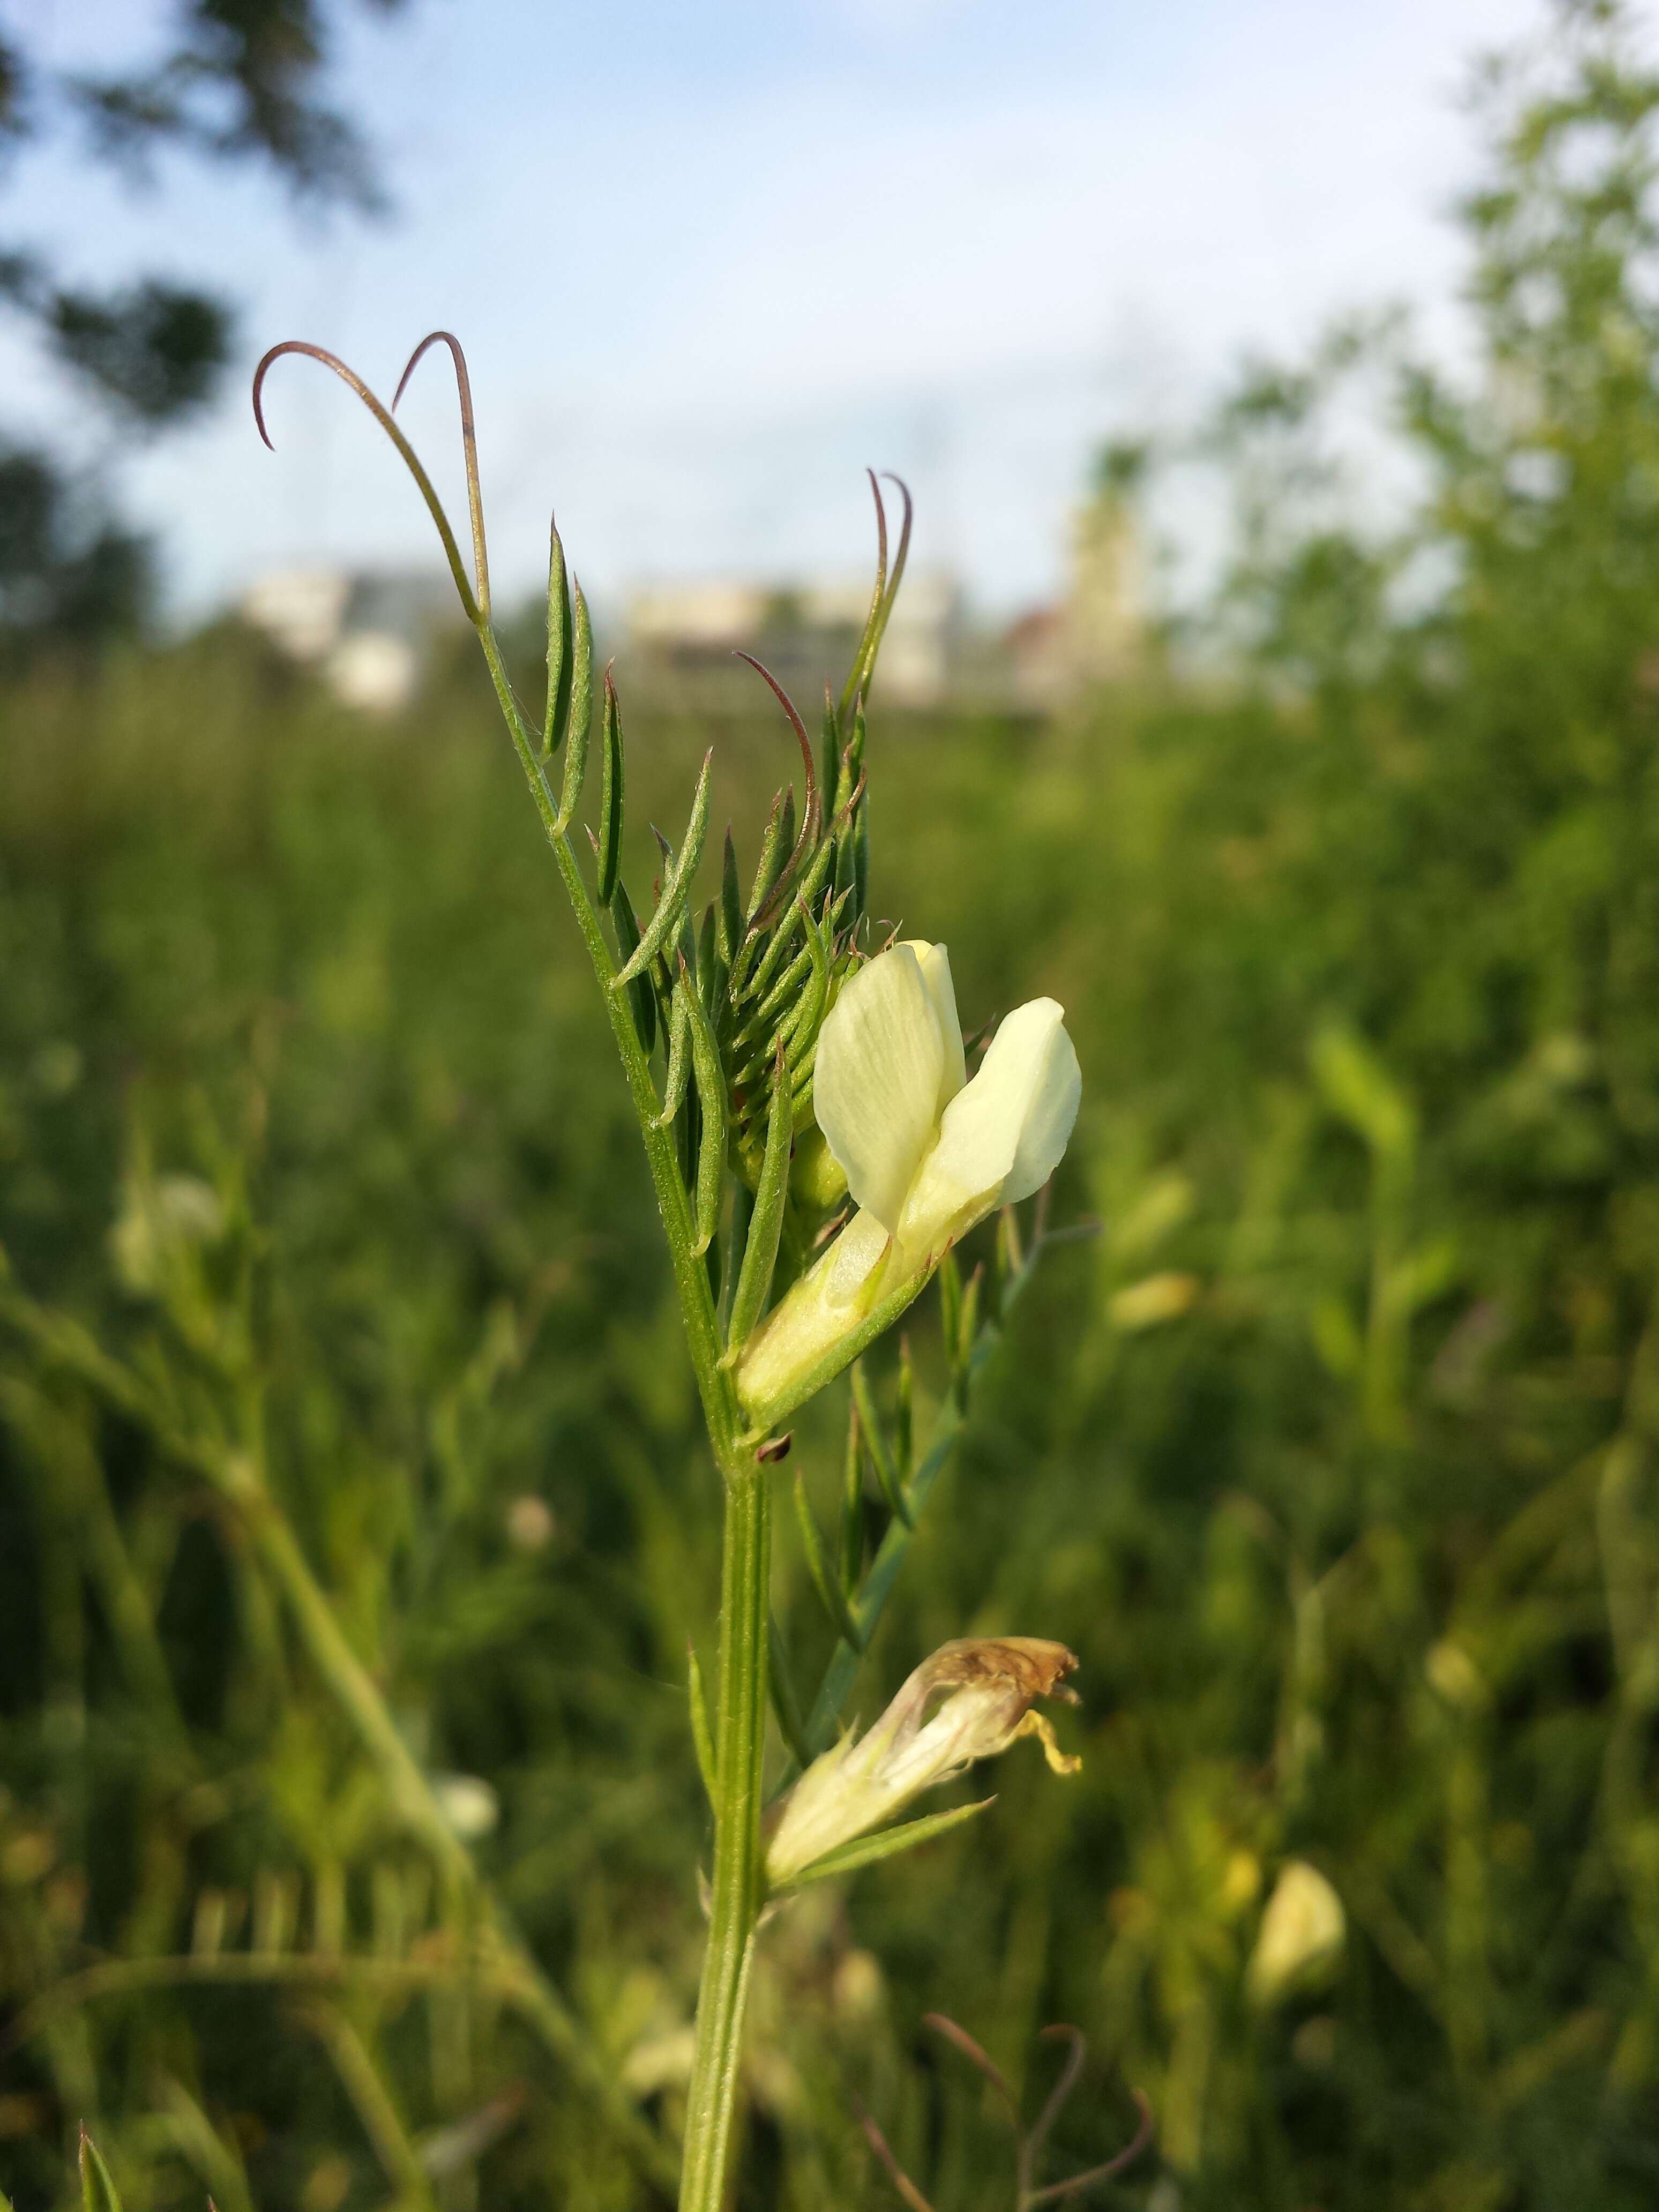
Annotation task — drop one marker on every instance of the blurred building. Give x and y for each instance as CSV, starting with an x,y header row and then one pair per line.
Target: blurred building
x,y
370,632
685,635
1097,635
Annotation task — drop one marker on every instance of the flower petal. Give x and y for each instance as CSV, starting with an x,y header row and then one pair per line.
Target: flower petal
x,y
1056,1090
854,1253
881,1064
1003,1135
822,1320
936,974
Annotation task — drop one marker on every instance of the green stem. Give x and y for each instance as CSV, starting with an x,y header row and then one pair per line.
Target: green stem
x,y
739,1872
738,1885
690,1275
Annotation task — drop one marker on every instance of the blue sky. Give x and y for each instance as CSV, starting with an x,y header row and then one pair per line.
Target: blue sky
x,y
710,259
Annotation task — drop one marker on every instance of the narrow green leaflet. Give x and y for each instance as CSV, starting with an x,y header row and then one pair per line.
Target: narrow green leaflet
x,y
610,795
785,1704
734,1246
711,1097
866,1851
887,1474
904,1400
558,649
676,883
641,995
852,1508
779,837
829,763
582,716
765,1224
98,2192
730,907
702,1736
679,1054
802,1028
831,1595
950,1306
781,992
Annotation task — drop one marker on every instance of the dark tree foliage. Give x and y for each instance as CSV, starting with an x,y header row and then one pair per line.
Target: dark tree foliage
x,y
236,81
67,572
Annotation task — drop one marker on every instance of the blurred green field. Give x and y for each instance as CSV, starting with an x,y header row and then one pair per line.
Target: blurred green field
x,y
1332,1454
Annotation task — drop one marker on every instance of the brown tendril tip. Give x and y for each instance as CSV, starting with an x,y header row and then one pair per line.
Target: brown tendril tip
x,y
1030,2149
881,536
901,2180
1056,2192
1028,2195
812,813
975,2053
795,723
904,527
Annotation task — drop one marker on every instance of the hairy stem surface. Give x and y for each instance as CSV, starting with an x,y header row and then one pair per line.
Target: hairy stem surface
x,y
739,1878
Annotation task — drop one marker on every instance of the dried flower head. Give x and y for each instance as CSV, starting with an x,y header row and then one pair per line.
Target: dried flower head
x,y
991,1684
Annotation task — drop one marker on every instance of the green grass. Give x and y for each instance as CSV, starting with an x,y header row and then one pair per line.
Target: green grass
x,y
1338,1544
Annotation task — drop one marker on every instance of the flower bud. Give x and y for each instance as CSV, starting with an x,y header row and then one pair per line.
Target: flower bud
x,y
1301,1935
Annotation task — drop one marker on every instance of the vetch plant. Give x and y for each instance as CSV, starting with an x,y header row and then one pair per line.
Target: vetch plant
x,y
779,1064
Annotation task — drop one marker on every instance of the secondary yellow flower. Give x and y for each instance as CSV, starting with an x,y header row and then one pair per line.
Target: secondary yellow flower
x,y
993,1682
1301,1935
926,1153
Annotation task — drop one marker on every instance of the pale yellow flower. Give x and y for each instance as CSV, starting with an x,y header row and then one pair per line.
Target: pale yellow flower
x,y
1301,1935
926,1153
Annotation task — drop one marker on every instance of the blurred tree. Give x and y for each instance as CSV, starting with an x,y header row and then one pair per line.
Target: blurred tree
x,y
236,81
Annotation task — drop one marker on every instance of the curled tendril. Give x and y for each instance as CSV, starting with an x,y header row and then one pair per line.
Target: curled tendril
x,y
1031,2148
469,449
476,605
886,591
901,2180
849,806
1057,2191
1028,2195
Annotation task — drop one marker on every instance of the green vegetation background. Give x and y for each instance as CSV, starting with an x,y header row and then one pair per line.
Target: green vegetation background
x,y
1332,1456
